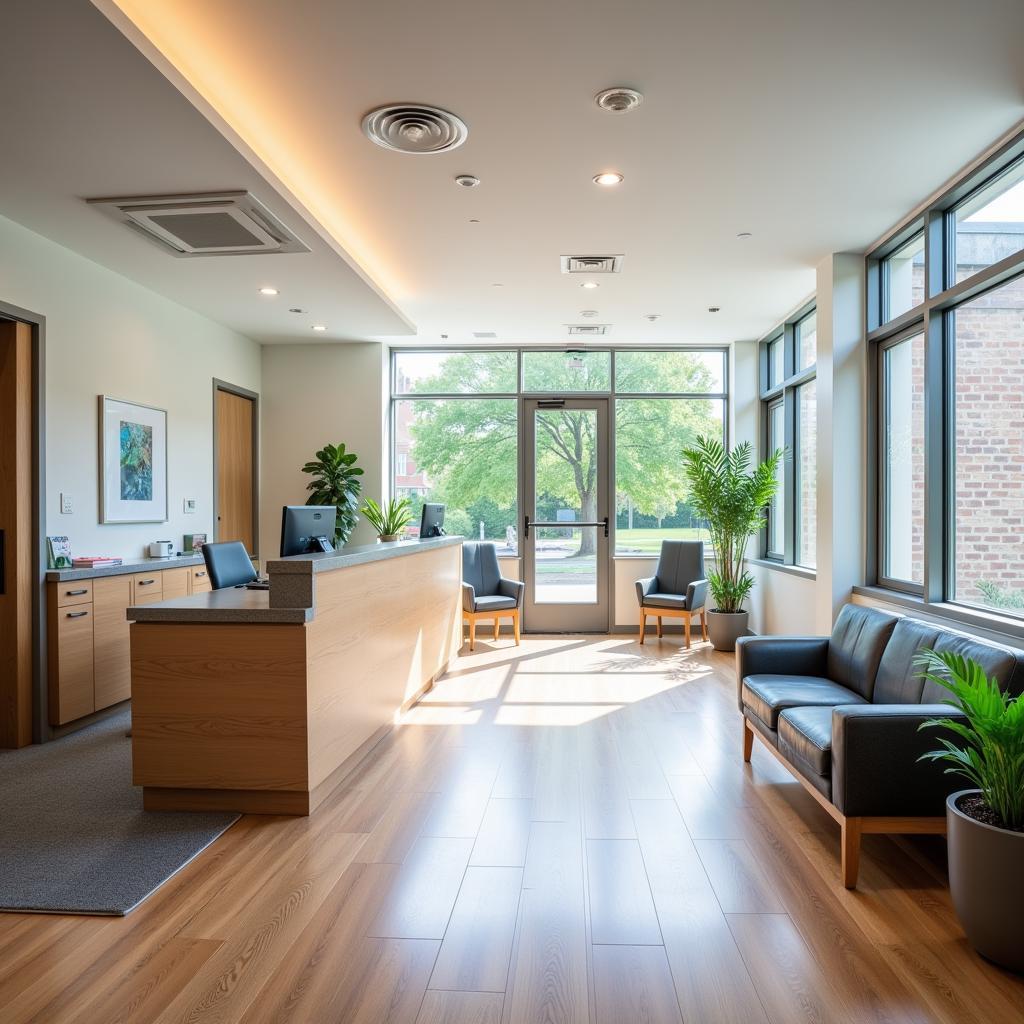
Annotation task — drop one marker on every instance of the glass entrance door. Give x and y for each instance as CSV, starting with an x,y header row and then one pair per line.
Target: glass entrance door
x,y
566,521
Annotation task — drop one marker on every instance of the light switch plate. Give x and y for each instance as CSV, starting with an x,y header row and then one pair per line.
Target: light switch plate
x,y
67,504
190,506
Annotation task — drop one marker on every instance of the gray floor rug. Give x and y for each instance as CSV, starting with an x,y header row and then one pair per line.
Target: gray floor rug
x,y
74,838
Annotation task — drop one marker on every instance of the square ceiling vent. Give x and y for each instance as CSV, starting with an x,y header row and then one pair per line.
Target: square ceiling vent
x,y
206,224
588,330
591,264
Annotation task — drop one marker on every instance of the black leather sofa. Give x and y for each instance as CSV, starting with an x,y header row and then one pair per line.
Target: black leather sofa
x,y
842,713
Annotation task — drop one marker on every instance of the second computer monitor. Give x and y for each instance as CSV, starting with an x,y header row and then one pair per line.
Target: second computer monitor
x,y
432,521
307,528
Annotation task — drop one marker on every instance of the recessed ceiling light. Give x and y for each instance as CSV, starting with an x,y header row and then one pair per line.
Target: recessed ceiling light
x,y
590,284
745,234
296,309
474,220
608,178
268,291
619,100
319,327
467,180
497,284
714,309
588,312
652,316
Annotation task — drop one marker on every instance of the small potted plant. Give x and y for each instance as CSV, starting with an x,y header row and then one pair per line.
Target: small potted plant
x,y
390,519
984,825
732,497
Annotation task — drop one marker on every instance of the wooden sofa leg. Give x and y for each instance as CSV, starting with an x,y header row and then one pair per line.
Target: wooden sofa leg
x,y
851,851
748,740
658,621
703,626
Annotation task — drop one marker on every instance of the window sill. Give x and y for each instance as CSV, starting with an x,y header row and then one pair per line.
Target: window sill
x,y
792,570
993,626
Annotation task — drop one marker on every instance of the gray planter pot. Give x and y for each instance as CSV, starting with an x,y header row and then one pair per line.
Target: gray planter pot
x,y
388,538
984,880
725,628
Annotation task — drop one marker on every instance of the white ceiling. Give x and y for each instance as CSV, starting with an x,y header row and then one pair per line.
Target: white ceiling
x,y
84,114
813,125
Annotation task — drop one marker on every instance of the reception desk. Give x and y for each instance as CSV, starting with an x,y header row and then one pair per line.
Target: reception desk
x,y
263,701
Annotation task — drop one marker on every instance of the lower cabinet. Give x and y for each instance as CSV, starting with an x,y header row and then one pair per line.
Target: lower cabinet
x,y
89,654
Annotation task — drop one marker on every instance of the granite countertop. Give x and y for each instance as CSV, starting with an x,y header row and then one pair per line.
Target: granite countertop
x,y
327,561
217,606
129,565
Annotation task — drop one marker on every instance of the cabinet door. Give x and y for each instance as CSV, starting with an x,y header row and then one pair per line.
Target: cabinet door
x,y
74,690
149,587
175,583
199,580
112,655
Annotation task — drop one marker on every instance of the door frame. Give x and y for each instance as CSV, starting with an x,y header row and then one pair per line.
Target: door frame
x,y
252,396
37,324
606,467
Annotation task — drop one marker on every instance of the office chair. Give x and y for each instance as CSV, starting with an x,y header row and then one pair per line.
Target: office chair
x,y
228,564
486,594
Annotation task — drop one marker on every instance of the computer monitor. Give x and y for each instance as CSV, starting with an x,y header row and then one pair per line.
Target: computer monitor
x,y
307,528
431,521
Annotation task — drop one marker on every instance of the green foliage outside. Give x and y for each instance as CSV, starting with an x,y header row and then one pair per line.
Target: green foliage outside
x,y
336,482
996,597
468,448
991,754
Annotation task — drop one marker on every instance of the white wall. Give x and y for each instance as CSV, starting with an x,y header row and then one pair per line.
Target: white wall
x,y
315,395
107,335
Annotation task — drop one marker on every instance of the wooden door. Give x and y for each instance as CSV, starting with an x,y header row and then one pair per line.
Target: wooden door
x,y
16,590
235,484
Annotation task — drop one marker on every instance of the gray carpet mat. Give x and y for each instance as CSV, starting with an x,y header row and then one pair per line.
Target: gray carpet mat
x,y
73,835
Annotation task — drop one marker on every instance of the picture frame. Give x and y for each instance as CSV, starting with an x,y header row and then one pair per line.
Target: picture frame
x,y
133,462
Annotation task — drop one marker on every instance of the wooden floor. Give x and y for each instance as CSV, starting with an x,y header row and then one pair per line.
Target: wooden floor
x,y
563,832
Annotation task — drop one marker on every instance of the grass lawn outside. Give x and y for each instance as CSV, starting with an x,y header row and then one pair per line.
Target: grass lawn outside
x,y
648,542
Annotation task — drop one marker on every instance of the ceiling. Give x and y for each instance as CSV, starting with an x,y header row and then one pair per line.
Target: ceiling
x,y
814,126
85,114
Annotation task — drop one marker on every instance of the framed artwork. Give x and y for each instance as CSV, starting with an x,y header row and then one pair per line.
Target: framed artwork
x,y
133,462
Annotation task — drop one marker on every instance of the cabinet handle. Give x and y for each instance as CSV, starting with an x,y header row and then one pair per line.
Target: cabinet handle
x,y
145,583
76,615
199,574
75,593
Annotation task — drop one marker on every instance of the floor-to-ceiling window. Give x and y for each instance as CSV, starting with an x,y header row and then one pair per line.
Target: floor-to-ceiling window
x,y
946,326
455,437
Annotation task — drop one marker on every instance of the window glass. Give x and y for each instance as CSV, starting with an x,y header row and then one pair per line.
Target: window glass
x,y
776,362
990,224
777,508
903,460
806,335
650,500
806,474
462,452
567,371
903,278
669,372
455,373
988,451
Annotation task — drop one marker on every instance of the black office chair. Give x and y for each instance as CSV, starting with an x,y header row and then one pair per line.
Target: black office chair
x,y
228,564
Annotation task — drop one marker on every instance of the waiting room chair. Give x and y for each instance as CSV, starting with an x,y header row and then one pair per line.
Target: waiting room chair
x,y
228,564
485,593
678,587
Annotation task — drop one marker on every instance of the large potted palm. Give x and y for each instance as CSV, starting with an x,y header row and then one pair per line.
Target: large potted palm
x,y
732,497
985,824
336,482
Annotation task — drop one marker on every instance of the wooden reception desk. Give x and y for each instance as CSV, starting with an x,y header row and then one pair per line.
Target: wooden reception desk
x,y
263,701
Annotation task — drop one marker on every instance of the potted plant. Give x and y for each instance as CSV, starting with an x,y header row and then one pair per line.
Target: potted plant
x,y
390,520
984,825
336,482
732,497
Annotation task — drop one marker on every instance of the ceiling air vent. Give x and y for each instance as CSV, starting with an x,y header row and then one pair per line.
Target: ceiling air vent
x,y
590,330
484,334
591,264
415,128
205,224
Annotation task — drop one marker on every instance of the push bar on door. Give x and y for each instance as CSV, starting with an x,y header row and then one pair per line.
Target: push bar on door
x,y
527,524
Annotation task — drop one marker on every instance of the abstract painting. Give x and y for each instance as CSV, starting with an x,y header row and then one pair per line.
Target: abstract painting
x,y
136,462
133,462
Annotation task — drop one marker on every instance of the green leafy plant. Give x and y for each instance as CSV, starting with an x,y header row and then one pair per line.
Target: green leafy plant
x,y
998,598
336,482
732,497
992,753
390,519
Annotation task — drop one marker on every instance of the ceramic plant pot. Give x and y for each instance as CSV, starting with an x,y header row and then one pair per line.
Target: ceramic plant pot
x,y
725,628
984,880
387,538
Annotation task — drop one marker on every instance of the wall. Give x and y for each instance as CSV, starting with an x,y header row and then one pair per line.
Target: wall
x,y
314,395
107,335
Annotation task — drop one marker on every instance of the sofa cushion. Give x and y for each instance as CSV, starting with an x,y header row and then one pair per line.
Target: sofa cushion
x,y
855,649
768,695
493,604
1005,665
807,732
899,679
665,601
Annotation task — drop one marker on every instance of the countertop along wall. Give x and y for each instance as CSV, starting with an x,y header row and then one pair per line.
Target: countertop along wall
x,y
108,335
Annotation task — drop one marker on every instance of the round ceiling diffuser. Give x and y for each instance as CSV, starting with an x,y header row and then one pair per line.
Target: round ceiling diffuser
x,y
619,100
412,128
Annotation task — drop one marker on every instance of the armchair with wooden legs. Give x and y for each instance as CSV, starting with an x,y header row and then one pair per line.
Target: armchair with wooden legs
x,y
677,589
486,594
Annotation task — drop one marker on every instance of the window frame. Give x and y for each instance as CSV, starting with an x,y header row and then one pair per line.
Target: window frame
x,y
934,317
771,394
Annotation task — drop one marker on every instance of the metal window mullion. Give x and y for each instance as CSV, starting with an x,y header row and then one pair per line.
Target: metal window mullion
x,y
789,477
936,458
